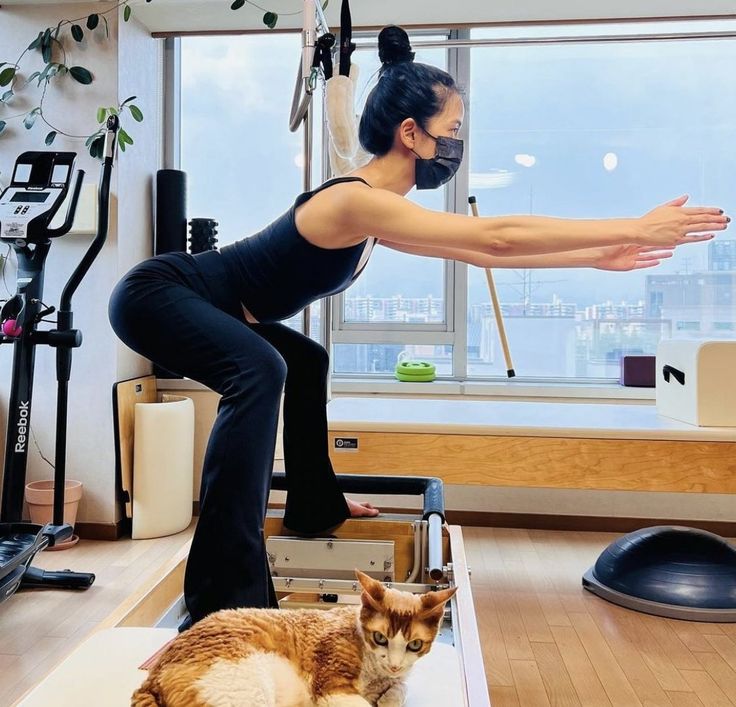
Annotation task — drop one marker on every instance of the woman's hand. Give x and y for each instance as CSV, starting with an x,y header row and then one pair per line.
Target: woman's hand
x,y
672,223
621,258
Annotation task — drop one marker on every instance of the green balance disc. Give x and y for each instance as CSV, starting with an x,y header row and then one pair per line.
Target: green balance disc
x,y
415,371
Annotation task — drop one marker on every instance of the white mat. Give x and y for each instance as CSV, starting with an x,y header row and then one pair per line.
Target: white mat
x,y
104,671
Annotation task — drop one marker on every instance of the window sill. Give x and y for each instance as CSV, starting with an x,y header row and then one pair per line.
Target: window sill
x,y
447,388
498,390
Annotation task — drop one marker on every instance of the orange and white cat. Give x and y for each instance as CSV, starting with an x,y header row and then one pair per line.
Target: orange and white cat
x,y
351,656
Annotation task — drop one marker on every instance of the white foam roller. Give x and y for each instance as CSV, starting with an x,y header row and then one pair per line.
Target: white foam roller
x,y
163,467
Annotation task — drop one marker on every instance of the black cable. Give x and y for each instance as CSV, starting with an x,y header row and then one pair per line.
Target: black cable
x,y
38,449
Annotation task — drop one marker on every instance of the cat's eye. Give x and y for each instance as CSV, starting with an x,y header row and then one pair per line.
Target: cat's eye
x,y
415,645
380,639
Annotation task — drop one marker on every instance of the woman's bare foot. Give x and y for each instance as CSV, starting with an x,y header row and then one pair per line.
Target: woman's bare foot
x,y
361,510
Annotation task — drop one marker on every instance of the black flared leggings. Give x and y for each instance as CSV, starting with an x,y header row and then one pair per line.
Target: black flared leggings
x,y
182,312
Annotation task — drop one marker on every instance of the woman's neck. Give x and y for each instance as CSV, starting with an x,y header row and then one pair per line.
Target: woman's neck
x,y
391,172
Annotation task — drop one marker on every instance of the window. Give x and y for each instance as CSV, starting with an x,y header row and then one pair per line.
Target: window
x,y
596,130
244,167
396,290
579,129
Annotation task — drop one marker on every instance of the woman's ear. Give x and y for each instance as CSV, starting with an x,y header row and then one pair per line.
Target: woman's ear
x,y
407,133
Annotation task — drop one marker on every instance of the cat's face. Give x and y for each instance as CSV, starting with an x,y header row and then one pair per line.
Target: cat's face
x,y
399,627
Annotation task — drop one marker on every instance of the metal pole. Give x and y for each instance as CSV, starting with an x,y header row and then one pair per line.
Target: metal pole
x,y
307,186
326,320
450,43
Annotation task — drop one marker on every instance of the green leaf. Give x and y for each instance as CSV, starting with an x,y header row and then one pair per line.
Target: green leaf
x,y
270,19
46,46
93,20
43,76
36,43
107,27
33,77
121,141
237,4
30,119
79,73
122,135
113,111
77,33
137,114
7,75
58,27
101,115
325,4
127,12
2,125
50,137
6,96
128,100
90,139
97,146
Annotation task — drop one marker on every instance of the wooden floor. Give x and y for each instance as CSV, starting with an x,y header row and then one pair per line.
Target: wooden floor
x,y
545,640
39,628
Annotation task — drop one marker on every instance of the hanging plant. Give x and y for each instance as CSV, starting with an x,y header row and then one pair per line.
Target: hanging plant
x,y
49,43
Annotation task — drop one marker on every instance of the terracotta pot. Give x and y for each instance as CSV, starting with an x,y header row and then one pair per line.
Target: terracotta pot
x,y
40,500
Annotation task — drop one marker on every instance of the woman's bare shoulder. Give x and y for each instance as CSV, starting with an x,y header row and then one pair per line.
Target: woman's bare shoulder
x,y
325,220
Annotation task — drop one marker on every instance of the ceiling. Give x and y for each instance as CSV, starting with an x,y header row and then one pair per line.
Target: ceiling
x,y
216,15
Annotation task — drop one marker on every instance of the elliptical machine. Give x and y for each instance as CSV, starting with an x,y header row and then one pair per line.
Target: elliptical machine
x,y
40,184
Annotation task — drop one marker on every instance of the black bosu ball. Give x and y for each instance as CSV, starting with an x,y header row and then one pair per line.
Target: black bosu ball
x,y
668,570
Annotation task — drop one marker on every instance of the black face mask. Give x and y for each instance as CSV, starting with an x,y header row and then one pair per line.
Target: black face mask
x,y
440,169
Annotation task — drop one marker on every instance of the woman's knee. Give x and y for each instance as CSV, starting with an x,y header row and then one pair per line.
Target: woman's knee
x,y
264,376
313,359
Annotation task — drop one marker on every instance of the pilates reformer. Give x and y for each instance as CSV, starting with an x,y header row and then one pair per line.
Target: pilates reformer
x,y
413,554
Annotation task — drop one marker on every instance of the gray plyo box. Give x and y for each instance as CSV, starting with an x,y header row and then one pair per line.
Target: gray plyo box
x,y
330,558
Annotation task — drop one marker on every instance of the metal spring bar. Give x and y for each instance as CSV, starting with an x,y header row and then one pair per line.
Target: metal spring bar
x,y
306,76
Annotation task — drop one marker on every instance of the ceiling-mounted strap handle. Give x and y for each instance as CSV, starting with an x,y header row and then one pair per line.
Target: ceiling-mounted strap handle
x,y
347,46
323,54
677,374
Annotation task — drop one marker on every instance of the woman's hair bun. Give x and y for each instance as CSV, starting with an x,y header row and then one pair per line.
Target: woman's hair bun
x,y
394,46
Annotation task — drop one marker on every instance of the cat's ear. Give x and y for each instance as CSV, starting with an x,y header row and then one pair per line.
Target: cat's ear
x,y
433,603
373,591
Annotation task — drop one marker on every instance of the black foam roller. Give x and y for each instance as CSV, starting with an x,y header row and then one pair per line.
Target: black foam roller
x,y
171,211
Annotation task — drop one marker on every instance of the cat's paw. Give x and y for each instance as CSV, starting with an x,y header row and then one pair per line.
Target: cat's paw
x,y
393,697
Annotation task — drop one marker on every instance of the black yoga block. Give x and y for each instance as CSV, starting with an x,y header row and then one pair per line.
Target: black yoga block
x,y
638,371
171,211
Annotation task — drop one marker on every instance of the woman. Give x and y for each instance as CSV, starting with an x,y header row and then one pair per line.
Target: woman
x,y
214,317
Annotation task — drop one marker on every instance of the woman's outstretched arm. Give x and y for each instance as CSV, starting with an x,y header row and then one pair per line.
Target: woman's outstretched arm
x,y
392,218
616,257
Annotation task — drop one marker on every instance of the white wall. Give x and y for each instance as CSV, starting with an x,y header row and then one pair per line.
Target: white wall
x,y
101,360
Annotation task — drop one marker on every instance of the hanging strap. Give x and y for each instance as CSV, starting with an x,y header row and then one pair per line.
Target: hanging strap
x,y
323,54
347,46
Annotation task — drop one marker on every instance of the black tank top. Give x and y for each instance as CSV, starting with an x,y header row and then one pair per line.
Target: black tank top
x,y
278,272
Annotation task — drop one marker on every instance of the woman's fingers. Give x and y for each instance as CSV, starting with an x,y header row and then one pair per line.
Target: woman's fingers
x,y
656,248
678,202
654,256
702,210
696,238
705,226
648,264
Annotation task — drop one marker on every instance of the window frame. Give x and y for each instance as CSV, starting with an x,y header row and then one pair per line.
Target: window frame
x,y
452,332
